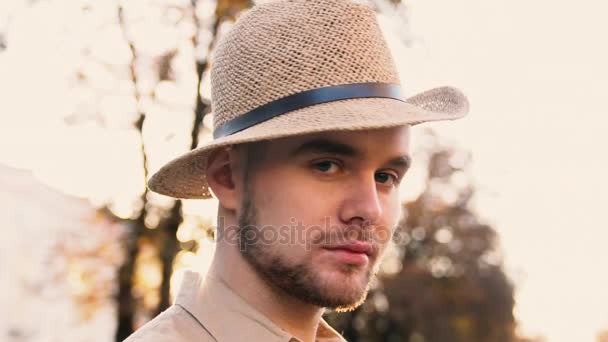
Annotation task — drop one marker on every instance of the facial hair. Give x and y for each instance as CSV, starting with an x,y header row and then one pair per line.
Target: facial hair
x,y
299,280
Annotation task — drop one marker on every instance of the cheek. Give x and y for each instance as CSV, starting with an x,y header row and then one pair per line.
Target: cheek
x,y
289,198
300,212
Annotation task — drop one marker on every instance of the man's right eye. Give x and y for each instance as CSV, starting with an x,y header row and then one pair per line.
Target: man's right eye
x,y
327,166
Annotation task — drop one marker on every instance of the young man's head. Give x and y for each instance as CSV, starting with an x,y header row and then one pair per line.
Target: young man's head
x,y
313,213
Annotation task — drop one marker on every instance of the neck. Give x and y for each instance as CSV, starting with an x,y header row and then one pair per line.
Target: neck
x,y
291,314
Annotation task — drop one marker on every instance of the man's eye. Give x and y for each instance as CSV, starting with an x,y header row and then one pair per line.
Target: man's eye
x,y
327,166
386,178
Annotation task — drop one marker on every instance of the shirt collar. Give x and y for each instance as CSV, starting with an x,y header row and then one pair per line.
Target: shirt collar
x,y
228,317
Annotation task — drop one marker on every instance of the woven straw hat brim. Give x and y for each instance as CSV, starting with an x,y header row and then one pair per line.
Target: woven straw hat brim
x,y
184,177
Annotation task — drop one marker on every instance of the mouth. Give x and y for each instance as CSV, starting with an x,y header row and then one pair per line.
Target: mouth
x,y
356,253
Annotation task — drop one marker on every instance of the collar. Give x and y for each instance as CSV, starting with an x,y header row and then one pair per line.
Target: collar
x,y
228,317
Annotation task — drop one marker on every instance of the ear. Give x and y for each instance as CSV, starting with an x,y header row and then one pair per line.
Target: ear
x,y
222,176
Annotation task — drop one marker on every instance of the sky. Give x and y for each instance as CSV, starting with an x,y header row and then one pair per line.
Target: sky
x,y
534,72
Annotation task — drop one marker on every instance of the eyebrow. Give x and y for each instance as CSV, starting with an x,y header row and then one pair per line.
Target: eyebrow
x,y
326,146
403,162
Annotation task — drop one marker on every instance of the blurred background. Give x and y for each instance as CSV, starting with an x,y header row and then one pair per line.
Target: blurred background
x,y
504,237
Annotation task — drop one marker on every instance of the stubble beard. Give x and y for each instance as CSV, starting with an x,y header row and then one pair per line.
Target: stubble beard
x,y
299,280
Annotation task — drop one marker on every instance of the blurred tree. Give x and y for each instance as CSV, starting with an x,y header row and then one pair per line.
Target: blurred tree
x,y
444,280
163,235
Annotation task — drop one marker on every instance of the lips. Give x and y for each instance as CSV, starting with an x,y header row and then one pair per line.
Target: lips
x,y
355,253
354,247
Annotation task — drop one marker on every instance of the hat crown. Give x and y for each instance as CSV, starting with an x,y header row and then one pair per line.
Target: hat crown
x,y
286,47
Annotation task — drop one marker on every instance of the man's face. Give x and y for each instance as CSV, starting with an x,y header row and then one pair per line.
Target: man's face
x,y
317,212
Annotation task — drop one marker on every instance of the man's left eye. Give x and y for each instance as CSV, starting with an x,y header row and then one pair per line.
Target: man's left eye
x,y
386,178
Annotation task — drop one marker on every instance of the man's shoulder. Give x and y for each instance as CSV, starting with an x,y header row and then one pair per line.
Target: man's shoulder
x,y
173,324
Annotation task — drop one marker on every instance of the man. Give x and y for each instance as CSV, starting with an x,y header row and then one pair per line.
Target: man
x,y
311,142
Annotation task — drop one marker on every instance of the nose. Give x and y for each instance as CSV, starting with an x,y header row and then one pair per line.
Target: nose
x,y
361,204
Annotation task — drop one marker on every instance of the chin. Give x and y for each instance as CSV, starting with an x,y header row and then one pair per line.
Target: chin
x,y
347,289
349,298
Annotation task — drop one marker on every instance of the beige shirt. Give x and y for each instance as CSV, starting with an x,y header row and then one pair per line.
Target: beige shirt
x,y
210,311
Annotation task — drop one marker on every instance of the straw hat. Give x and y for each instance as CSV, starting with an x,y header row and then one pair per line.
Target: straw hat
x,y
294,67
